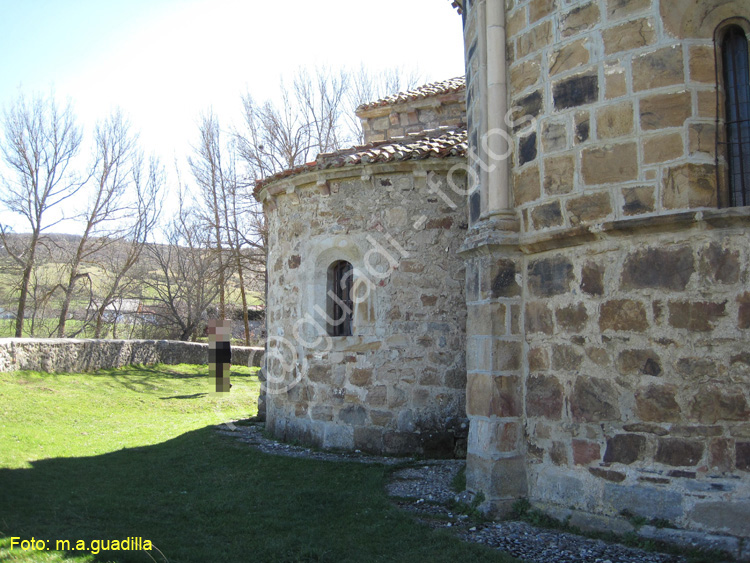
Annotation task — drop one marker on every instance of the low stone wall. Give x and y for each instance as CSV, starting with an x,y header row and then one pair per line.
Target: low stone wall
x,y
61,355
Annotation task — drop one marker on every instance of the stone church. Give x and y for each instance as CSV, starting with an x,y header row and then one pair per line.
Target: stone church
x,y
544,267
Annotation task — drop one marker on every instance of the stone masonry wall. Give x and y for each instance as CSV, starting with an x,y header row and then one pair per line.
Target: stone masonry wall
x,y
637,394
72,355
624,97
390,121
607,337
398,384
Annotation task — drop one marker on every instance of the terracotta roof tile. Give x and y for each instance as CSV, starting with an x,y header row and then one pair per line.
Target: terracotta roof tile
x,y
443,142
426,91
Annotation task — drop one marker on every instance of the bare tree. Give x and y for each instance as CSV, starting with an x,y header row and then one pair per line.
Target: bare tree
x,y
184,283
107,207
213,185
39,144
117,261
367,86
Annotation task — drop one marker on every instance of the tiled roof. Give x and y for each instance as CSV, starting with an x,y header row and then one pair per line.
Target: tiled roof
x,y
443,142
426,91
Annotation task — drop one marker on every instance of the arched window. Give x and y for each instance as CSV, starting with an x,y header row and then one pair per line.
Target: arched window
x,y
736,74
340,302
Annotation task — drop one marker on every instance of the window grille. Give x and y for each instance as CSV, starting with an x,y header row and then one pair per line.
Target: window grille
x,y
734,50
340,299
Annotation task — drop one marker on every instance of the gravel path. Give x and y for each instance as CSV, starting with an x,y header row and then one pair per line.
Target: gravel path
x,y
424,488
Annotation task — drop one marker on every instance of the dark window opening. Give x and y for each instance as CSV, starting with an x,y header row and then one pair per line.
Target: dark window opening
x,y
340,302
734,50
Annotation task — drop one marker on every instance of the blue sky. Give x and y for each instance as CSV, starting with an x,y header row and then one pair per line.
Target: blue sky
x,y
165,61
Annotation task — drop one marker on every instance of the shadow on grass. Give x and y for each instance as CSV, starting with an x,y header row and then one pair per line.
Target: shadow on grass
x,y
201,497
193,396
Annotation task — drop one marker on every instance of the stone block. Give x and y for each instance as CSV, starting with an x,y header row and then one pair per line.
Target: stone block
x,y
641,362
610,164
638,200
702,139
617,9
675,267
400,443
663,67
702,66
547,215
539,318
361,377
713,404
568,57
558,488
500,478
527,150
582,126
319,373
679,452
550,276
660,111
719,455
623,315
526,185
719,264
506,355
607,474
644,501
500,280
337,436
554,135
490,437
544,397
539,9
585,452
588,208
572,318
579,19
534,40
689,186
558,453
559,172
657,403
614,120
599,356
565,358
743,311
368,439
699,316
615,82
594,400
625,448
575,91
528,106
515,22
592,278
662,148
700,540
538,359
630,35
354,415
525,74
742,453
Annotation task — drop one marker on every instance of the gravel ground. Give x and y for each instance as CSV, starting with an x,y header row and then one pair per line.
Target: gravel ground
x,y
424,488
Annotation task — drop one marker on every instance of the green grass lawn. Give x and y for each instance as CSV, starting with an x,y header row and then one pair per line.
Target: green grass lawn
x,y
134,453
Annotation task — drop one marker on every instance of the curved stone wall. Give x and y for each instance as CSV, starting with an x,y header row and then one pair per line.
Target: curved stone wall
x,y
397,385
72,355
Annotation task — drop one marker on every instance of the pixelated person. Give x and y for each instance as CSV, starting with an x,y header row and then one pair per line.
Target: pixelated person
x,y
220,353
